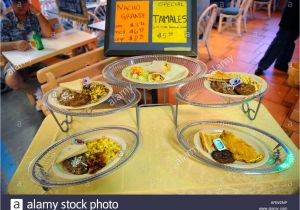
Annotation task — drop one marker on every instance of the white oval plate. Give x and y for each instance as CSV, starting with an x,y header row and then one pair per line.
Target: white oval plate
x,y
237,164
262,82
52,98
177,72
60,172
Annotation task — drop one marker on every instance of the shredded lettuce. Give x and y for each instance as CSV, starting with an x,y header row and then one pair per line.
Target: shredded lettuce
x,y
127,73
142,78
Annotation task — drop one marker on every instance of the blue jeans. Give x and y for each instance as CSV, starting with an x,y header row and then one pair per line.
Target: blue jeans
x,y
281,49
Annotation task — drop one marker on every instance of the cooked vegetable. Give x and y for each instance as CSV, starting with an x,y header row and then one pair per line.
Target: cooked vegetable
x,y
95,90
104,145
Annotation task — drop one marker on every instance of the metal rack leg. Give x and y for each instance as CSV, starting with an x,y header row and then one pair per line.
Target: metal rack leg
x,y
173,111
165,96
137,114
42,171
176,114
251,113
68,120
145,96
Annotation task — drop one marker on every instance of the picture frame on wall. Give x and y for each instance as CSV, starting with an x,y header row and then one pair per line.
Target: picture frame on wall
x,y
73,9
139,27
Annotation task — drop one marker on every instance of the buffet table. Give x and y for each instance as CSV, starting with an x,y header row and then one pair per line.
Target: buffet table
x,y
160,165
98,26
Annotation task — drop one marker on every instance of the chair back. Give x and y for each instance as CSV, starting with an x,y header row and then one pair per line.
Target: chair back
x,y
93,18
100,12
207,20
70,67
244,7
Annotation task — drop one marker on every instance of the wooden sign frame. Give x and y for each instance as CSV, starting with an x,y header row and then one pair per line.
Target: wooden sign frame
x,y
79,18
113,48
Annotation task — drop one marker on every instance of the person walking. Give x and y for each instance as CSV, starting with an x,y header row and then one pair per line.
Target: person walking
x,y
282,47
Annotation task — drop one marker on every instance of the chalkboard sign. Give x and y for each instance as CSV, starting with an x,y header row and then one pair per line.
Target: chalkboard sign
x,y
73,9
137,27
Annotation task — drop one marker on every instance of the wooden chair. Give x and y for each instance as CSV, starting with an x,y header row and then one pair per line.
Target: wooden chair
x,y
238,10
205,24
100,12
267,3
83,26
88,64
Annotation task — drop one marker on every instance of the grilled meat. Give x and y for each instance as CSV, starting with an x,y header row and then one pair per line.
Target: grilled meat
x,y
71,98
222,87
244,89
76,165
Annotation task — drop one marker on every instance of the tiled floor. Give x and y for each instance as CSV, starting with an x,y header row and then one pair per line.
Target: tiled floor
x,y
246,52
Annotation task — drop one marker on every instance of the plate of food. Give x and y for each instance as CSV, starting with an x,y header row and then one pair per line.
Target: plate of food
x,y
86,158
233,149
155,72
79,94
235,84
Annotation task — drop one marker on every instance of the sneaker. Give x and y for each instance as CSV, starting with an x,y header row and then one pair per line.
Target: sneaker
x,y
38,94
259,72
281,68
37,108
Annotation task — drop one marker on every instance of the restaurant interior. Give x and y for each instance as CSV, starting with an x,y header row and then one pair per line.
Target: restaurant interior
x,y
155,131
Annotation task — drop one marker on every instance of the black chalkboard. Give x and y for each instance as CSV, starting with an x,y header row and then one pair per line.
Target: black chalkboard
x,y
138,27
74,9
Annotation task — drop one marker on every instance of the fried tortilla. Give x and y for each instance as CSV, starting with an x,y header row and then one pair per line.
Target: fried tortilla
x,y
219,76
207,141
75,85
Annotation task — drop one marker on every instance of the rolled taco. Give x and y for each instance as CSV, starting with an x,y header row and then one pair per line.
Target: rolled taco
x,y
156,77
71,151
161,67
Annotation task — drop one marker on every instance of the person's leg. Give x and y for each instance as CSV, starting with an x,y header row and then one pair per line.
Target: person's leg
x,y
14,80
272,52
282,62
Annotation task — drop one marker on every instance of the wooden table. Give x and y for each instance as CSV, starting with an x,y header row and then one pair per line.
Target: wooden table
x,y
98,26
153,169
63,42
93,5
